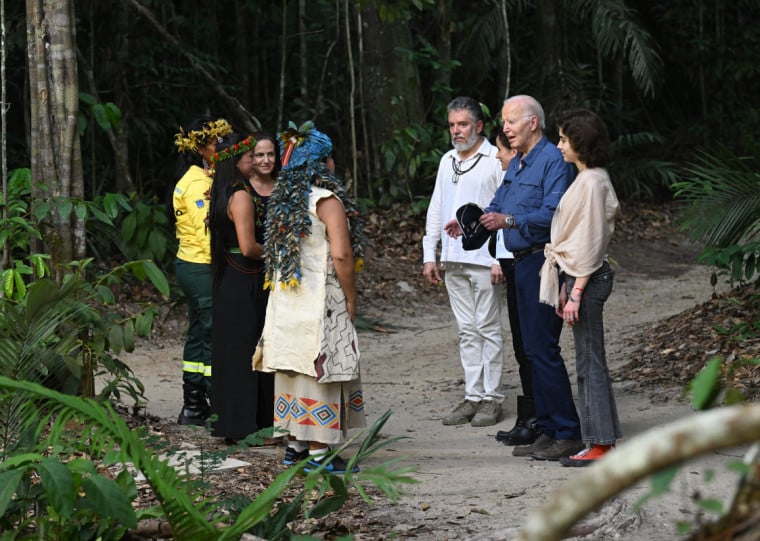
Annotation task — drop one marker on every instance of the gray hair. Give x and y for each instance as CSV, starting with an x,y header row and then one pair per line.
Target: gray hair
x,y
469,104
530,106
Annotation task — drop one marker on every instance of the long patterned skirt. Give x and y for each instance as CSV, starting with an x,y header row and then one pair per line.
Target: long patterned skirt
x,y
320,412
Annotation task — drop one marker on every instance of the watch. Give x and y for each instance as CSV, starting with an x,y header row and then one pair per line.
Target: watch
x,y
509,220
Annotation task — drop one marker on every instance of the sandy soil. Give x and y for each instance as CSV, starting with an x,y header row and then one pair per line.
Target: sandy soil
x,y
470,486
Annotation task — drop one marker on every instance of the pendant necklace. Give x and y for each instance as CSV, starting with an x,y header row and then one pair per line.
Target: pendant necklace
x,y
458,172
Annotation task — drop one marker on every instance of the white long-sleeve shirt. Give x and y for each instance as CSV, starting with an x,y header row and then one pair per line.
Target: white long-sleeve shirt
x,y
477,185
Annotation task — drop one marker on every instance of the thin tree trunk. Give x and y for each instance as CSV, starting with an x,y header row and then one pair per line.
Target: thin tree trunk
x,y
283,63
55,150
351,100
363,105
508,49
3,131
304,51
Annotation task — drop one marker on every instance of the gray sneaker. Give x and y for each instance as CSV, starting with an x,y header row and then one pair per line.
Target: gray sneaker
x,y
488,414
541,443
462,414
559,449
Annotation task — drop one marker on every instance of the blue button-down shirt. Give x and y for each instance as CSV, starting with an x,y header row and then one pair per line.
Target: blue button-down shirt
x,y
532,188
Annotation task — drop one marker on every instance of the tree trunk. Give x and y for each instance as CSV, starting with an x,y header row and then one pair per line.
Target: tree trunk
x,y
56,160
548,43
391,81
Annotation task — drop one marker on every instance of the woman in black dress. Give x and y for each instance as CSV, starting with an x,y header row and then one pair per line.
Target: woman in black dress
x,y
241,400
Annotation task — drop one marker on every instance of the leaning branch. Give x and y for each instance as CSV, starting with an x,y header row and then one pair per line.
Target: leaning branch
x,y
249,121
648,453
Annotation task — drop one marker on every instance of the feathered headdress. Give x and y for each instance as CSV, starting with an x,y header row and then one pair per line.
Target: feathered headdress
x,y
304,150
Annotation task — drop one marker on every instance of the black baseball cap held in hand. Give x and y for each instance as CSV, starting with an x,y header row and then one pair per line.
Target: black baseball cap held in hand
x,y
474,235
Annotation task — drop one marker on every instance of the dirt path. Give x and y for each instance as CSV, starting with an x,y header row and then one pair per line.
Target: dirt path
x,y
470,486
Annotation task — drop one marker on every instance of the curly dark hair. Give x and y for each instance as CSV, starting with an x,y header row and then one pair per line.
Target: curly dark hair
x,y
587,134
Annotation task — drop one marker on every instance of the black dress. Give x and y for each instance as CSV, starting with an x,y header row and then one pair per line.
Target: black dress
x,y
242,400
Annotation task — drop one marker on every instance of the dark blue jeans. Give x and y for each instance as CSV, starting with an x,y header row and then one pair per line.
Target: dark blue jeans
x,y
526,372
541,329
599,417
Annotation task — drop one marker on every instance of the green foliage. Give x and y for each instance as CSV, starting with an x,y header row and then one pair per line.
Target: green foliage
x,y
144,231
706,385
65,334
710,187
75,500
617,31
107,115
633,171
660,484
412,152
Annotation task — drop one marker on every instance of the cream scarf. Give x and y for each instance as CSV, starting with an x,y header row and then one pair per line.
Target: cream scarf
x,y
581,230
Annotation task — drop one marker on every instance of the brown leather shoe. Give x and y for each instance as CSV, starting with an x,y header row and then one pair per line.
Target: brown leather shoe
x,y
541,443
559,449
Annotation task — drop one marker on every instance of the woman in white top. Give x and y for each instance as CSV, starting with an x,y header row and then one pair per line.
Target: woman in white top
x,y
580,233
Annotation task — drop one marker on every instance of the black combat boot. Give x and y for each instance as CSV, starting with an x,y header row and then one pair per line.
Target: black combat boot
x,y
526,429
196,409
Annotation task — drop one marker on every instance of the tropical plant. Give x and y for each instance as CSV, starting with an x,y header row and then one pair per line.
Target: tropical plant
x,y
64,335
73,497
636,174
720,196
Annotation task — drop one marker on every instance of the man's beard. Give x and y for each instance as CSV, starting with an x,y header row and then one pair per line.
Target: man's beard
x,y
467,145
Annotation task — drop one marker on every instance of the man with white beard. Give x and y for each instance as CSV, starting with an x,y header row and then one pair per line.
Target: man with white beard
x,y
468,173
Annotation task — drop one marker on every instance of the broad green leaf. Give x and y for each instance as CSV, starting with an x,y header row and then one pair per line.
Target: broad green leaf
x,y
100,215
156,277
20,284
108,500
144,323
104,294
101,117
64,208
80,210
116,338
8,282
128,227
41,293
129,335
114,115
59,486
88,99
704,386
9,481
40,210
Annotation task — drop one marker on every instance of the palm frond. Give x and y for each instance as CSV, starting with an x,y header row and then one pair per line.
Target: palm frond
x,y
615,29
721,199
103,430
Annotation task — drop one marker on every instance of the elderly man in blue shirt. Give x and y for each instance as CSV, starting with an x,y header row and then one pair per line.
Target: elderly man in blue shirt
x,y
523,206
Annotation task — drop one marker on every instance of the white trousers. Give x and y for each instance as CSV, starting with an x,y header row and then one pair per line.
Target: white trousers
x,y
476,304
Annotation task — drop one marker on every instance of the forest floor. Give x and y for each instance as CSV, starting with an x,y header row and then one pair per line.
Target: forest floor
x,y
661,323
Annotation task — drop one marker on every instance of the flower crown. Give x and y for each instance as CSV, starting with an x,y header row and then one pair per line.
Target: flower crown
x,y
233,150
211,131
